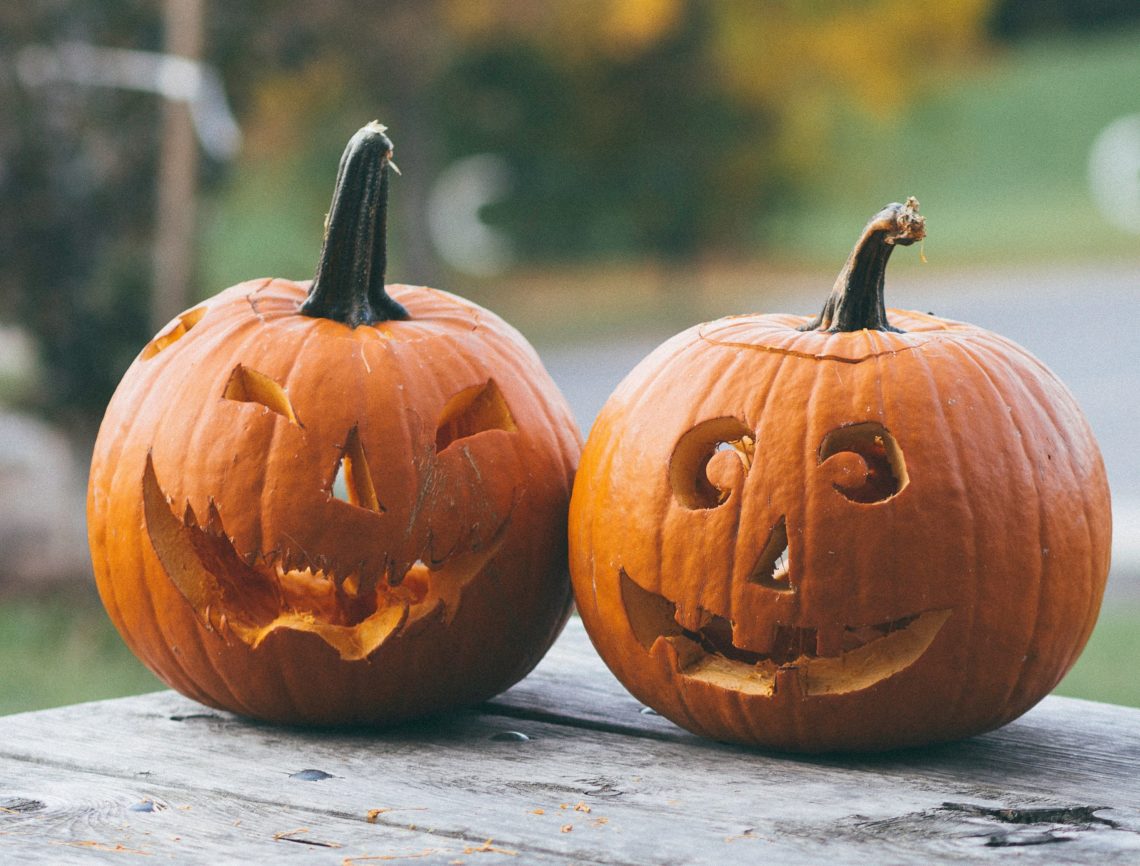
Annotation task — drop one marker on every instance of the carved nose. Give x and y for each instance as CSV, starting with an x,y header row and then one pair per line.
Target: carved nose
x,y
773,566
352,481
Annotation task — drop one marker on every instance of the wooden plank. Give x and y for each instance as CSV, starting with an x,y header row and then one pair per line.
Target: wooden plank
x,y
655,794
663,803
66,817
1072,747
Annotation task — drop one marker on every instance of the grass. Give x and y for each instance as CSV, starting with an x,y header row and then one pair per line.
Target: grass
x,y
997,155
64,651
1106,670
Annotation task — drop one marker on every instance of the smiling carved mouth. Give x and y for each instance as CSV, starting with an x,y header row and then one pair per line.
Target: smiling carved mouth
x,y
255,595
793,663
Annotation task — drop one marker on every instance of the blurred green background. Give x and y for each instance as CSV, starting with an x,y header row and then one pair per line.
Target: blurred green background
x,y
596,172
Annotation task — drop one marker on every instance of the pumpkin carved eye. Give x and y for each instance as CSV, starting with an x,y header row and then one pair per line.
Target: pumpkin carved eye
x,y
704,461
883,467
247,385
174,332
473,410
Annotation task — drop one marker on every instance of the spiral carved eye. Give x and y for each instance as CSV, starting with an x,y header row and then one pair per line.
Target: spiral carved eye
x,y
876,472
704,461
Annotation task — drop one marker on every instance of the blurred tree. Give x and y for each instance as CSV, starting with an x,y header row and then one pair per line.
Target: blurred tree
x,y
670,127
1016,19
662,127
76,177
379,56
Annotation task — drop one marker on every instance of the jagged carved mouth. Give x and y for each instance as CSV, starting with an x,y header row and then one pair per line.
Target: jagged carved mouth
x,y
794,662
252,596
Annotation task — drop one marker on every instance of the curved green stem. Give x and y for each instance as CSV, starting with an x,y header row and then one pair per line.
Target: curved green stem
x,y
856,301
349,284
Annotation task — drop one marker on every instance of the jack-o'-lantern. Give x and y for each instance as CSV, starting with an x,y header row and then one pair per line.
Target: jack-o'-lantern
x,y
331,504
860,531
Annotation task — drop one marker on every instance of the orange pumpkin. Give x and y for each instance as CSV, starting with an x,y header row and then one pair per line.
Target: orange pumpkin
x,y
865,530
329,504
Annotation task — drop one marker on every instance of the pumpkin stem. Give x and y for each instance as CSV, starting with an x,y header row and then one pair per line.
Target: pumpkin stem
x,y
349,283
856,301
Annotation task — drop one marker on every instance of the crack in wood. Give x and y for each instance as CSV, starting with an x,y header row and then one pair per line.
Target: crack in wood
x,y
1043,825
295,836
600,787
311,775
1021,838
21,805
959,822
494,708
1078,815
198,717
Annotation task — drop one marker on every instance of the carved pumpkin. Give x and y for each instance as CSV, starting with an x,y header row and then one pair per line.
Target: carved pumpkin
x,y
858,531
329,504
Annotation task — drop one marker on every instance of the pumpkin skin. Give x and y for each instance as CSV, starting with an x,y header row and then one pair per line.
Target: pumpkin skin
x,y
821,540
238,571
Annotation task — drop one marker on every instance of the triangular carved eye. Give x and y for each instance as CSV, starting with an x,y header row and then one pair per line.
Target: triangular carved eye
x,y
247,385
471,411
174,332
353,480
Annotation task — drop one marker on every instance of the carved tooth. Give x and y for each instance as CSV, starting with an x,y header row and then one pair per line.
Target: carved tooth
x,y
829,639
789,682
291,561
691,620
683,652
214,520
790,642
350,584
319,566
365,582
396,572
753,640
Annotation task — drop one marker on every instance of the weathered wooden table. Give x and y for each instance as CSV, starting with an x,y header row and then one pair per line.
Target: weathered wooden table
x,y
564,768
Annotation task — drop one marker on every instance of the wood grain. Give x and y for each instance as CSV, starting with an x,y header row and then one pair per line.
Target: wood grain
x,y
564,768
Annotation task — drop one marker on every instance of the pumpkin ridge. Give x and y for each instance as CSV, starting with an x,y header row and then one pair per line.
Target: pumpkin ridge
x,y
1002,397
960,493
1038,401
268,467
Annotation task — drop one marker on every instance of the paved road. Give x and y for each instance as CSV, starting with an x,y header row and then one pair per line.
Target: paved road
x,y
1084,325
